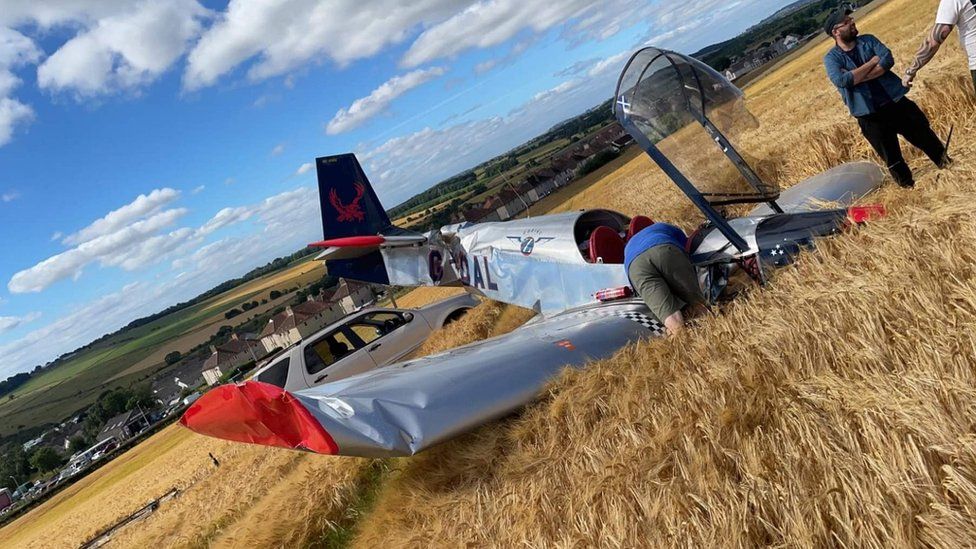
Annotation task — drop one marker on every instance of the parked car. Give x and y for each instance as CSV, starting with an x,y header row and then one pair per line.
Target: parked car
x,y
360,342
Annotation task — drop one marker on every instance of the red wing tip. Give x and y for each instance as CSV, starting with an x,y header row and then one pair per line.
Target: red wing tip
x,y
349,242
258,413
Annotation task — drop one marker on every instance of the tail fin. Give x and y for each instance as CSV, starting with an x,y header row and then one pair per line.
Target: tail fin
x,y
349,204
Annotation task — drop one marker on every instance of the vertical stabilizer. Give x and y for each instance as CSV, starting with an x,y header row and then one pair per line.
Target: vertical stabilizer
x,y
348,202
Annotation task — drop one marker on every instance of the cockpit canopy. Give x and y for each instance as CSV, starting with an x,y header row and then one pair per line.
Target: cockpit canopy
x,y
690,113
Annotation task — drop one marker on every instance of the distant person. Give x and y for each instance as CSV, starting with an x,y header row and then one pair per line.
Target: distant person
x,y
952,13
860,67
662,273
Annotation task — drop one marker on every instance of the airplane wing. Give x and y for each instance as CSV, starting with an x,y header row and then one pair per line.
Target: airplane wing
x,y
404,408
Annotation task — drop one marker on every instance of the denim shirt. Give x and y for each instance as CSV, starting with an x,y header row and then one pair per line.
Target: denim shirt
x,y
858,98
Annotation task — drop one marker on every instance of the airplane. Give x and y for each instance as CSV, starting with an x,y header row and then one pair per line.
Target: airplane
x,y
567,267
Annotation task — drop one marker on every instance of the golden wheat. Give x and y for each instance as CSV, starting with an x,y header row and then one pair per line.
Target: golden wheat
x,y
833,408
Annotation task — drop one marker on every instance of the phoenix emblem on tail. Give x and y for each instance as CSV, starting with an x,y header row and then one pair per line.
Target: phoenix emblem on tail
x,y
351,211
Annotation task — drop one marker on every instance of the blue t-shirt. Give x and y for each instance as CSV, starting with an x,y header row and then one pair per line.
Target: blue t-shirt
x,y
655,235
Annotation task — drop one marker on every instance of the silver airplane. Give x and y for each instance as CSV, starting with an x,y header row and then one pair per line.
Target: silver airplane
x,y
567,267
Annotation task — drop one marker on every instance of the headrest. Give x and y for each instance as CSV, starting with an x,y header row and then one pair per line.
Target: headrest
x,y
637,224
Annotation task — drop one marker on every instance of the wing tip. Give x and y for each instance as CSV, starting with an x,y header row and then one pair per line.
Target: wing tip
x,y
258,413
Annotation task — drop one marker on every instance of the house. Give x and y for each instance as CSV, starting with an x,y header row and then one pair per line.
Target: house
x,y
621,142
213,375
352,296
124,425
299,321
233,353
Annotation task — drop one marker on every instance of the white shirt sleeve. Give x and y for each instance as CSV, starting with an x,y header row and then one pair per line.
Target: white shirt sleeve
x,y
948,13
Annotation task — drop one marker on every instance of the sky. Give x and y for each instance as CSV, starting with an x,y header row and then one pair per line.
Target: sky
x,y
151,149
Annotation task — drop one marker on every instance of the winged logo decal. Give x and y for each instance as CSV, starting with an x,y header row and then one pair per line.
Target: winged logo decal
x,y
351,211
528,243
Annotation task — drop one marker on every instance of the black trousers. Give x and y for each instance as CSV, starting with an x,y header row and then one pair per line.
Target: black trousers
x,y
904,118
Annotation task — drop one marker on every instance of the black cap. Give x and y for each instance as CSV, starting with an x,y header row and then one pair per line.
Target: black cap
x,y
834,19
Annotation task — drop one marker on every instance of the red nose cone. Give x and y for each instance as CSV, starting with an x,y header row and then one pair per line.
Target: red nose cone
x,y
258,413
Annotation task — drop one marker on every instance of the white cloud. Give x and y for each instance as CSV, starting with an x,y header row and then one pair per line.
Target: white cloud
x,y
492,22
304,168
56,236
230,181
124,50
77,327
379,99
278,149
286,34
561,88
405,165
198,189
612,64
16,50
110,249
225,217
9,196
142,206
8,323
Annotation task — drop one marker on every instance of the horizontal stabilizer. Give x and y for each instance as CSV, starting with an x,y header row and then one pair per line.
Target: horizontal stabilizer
x,y
358,246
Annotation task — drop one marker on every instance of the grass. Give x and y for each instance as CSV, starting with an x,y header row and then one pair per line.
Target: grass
x,y
832,408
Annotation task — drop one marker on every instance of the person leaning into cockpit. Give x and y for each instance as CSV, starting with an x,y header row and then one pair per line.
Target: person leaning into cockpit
x,y
662,273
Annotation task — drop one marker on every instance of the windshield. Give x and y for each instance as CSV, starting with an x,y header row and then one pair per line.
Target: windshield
x,y
691,114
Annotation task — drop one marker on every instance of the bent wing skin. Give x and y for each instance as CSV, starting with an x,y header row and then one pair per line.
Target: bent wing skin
x,y
404,408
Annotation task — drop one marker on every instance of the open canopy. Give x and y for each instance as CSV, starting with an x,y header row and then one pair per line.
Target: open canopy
x,y
679,108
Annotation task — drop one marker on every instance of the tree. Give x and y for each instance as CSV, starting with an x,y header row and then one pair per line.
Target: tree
x,y
14,462
77,444
275,294
173,358
142,397
232,313
45,459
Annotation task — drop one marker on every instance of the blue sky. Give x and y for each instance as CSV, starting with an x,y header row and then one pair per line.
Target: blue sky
x,y
150,150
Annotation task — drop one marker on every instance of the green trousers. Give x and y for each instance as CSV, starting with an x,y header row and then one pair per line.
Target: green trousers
x,y
666,280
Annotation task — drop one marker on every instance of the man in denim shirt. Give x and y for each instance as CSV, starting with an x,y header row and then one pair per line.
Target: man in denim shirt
x,y
860,67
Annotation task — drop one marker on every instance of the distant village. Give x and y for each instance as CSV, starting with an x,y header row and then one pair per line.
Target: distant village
x,y
753,59
513,198
175,389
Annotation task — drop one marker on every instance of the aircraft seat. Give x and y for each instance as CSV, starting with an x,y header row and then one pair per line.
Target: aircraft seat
x,y
637,224
606,245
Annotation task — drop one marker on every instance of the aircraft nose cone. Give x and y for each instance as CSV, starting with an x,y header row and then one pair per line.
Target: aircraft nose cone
x,y
258,413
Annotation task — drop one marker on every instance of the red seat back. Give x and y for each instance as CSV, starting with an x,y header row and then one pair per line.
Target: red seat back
x,y
637,224
606,243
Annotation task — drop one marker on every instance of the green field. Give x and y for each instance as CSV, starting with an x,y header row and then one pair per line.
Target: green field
x,y
58,393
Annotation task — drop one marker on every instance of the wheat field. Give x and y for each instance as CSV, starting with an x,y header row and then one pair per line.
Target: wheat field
x,y
834,407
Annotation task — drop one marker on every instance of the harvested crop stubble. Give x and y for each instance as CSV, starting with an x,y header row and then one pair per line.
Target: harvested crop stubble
x,y
834,408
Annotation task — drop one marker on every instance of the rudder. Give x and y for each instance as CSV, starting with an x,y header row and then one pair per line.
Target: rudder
x,y
348,203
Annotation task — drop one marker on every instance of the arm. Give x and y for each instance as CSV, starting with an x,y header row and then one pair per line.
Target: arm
x,y
868,71
886,59
836,73
843,78
875,73
930,46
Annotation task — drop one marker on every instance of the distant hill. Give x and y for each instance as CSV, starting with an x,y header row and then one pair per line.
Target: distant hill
x,y
800,18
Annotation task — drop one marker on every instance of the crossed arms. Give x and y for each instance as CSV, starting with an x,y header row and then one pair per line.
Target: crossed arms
x,y
930,46
873,68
